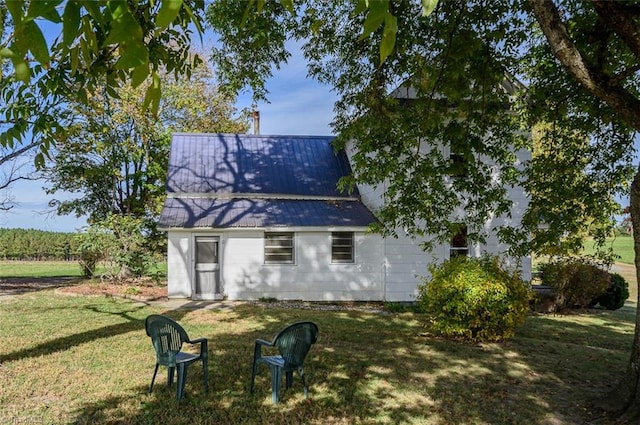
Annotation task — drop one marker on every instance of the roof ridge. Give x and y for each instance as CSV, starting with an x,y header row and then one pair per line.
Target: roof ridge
x,y
291,136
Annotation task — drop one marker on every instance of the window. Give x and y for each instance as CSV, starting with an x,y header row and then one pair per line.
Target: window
x,y
342,247
459,244
458,165
278,248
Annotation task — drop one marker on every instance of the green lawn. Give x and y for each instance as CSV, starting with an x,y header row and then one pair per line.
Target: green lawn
x,y
87,360
40,269
621,246
54,269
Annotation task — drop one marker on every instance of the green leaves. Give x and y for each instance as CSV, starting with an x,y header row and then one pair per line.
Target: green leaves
x,y
153,94
168,12
70,22
388,42
101,45
428,6
36,41
124,26
379,14
140,32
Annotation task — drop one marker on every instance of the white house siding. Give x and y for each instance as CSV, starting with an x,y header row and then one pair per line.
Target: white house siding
x,y
179,264
405,266
406,263
313,277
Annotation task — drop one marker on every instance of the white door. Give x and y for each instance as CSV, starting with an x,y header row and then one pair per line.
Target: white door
x,y
207,268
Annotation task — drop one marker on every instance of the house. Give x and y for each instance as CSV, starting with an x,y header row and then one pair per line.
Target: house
x,y
251,216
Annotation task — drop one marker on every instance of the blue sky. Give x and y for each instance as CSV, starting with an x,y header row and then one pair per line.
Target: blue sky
x,y
298,106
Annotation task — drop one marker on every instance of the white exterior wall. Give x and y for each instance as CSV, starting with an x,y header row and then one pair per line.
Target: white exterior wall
x,y
313,277
179,264
406,263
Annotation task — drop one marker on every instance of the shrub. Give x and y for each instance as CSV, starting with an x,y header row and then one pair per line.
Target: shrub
x,y
617,293
474,298
576,282
120,243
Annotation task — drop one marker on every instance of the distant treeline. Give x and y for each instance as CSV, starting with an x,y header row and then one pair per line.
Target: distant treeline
x,y
40,245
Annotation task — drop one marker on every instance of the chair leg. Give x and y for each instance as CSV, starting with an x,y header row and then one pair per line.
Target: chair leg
x,y
276,377
154,377
289,379
253,376
170,374
182,380
304,384
205,368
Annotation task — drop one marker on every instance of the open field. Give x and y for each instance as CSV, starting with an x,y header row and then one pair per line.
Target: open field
x,y
87,360
54,269
40,269
621,246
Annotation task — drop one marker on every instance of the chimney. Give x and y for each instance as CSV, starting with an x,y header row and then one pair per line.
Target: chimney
x,y
256,122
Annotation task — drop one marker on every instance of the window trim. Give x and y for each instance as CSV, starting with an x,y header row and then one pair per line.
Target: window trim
x,y
350,246
284,236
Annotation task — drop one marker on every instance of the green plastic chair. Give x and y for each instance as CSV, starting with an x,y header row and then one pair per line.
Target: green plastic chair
x,y
293,343
167,337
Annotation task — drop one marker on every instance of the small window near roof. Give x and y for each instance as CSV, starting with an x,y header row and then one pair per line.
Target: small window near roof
x,y
459,245
342,247
458,165
278,248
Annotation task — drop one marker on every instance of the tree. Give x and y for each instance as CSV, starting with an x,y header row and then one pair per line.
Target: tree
x,y
114,152
13,169
580,63
108,44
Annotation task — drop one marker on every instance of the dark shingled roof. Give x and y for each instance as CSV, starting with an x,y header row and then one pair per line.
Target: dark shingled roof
x,y
238,180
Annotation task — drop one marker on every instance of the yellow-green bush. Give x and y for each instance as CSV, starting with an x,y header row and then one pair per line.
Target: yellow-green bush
x,y
474,298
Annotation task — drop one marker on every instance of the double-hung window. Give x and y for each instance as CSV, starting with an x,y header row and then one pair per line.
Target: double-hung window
x,y
342,247
279,248
459,243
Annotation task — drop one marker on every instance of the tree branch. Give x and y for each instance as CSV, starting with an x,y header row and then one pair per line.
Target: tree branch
x,y
604,87
18,152
620,19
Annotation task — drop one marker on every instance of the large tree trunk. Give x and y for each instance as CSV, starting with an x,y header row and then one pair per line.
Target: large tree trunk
x,y
624,401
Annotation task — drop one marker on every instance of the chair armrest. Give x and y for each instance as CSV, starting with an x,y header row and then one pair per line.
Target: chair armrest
x,y
203,345
257,352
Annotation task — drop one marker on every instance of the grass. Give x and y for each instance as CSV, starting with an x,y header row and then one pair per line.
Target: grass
x,y
87,360
40,269
621,246
55,269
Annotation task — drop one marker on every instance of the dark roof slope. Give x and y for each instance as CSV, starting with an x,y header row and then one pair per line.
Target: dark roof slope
x,y
239,163
237,180
254,213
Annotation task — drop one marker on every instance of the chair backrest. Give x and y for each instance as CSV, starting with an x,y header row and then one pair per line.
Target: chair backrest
x,y
167,337
294,343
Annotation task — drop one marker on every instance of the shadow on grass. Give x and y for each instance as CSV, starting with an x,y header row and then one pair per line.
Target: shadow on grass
x,y
21,285
384,369
130,324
